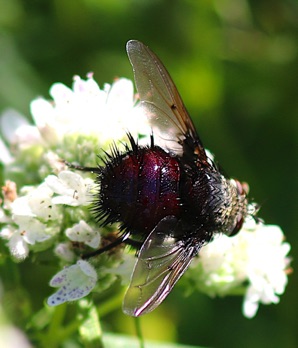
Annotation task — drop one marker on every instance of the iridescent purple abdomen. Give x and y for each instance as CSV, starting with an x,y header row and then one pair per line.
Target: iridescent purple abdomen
x,y
140,188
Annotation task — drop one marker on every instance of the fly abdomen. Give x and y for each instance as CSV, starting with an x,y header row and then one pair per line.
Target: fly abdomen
x,y
140,188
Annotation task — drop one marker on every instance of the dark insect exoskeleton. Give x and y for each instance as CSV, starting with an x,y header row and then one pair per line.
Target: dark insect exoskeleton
x,y
170,199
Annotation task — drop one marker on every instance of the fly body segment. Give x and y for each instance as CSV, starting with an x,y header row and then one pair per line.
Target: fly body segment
x,y
169,198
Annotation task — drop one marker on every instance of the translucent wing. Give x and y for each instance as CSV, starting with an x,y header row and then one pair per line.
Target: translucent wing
x,y
161,101
162,260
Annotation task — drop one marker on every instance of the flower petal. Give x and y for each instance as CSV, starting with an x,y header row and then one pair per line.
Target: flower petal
x,y
71,188
10,121
18,247
75,282
82,232
32,230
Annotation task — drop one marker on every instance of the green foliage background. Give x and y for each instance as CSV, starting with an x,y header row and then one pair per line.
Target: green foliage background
x,y
236,66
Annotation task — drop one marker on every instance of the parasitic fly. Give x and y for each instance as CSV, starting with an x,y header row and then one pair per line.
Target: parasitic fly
x,y
170,199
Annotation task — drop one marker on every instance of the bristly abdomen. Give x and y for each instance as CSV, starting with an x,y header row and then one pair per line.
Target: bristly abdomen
x,y
138,188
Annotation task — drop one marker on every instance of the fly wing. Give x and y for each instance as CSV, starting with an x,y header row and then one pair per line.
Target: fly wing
x,y
161,101
162,260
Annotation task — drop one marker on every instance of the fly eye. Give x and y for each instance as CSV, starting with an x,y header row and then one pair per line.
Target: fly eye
x,y
238,226
242,188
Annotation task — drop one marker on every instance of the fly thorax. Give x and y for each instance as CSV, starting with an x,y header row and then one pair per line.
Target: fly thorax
x,y
219,203
233,208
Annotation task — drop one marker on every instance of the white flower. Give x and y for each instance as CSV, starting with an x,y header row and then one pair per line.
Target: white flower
x,y
87,110
21,207
71,188
12,336
266,269
27,135
37,203
218,270
10,121
5,156
257,255
75,282
64,252
27,212
32,230
84,116
124,269
17,246
82,232
6,232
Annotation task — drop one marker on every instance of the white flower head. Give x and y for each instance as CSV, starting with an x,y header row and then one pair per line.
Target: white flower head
x,y
75,282
88,110
267,267
28,223
257,255
70,187
29,232
82,232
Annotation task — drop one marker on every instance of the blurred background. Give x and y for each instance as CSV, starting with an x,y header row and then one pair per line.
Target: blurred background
x,y
235,64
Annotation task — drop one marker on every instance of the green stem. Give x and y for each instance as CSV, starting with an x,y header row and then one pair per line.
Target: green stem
x,y
110,305
57,332
140,336
50,339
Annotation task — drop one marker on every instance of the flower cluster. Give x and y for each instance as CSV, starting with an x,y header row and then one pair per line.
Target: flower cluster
x,y
34,217
48,207
45,205
256,256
